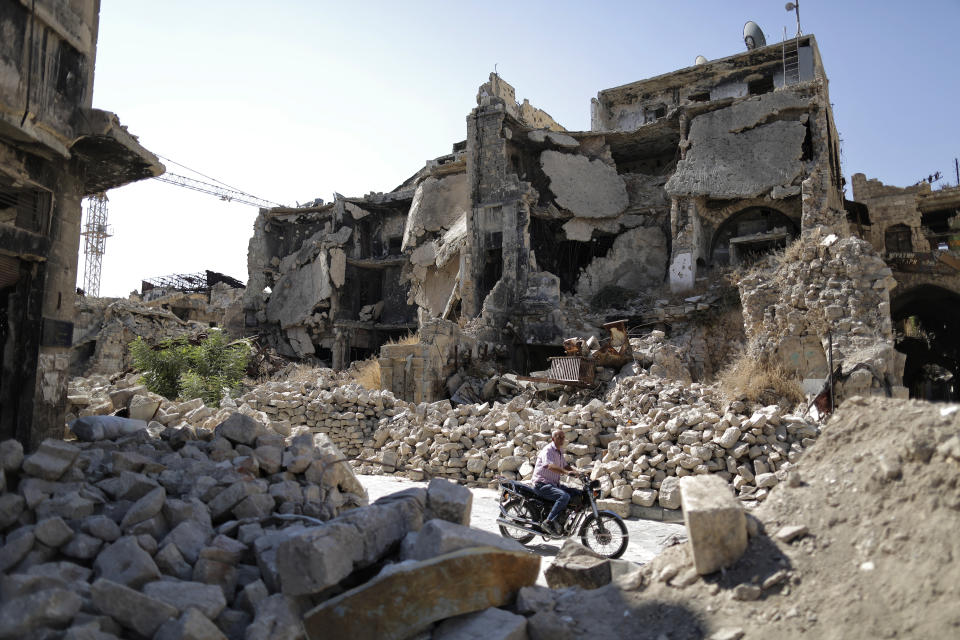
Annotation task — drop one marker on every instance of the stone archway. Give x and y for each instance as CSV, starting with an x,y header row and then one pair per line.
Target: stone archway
x,y
926,319
750,232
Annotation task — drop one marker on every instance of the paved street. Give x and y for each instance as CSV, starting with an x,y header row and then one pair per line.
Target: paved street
x,y
647,537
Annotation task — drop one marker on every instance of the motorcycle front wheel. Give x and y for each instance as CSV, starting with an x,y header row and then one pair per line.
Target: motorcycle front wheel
x,y
518,510
607,535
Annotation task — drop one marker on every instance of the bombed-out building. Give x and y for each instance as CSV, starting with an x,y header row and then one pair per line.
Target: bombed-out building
x,y
917,230
54,150
528,233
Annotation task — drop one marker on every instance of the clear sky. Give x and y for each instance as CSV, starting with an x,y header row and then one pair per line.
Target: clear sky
x,y
293,100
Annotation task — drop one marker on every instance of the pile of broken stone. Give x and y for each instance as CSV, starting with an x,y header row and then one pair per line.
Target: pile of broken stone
x,y
646,434
130,537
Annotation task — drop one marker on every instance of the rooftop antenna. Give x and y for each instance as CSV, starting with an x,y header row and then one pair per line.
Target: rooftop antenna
x,y
753,36
795,6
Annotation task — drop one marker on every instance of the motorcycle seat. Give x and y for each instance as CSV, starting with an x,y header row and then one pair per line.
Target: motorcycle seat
x,y
524,490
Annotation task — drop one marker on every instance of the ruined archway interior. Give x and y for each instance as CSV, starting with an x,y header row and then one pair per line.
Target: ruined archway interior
x,y
750,234
927,323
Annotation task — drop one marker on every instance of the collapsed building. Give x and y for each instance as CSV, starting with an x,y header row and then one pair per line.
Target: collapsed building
x,y
211,298
54,150
528,233
917,230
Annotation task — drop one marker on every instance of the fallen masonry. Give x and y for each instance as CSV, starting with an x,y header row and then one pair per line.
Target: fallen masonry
x,y
145,536
644,435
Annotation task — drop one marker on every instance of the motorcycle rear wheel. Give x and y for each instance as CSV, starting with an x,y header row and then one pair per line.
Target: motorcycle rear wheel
x,y
516,509
607,535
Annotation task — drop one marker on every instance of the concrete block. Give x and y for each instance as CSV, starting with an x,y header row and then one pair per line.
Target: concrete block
x,y
715,520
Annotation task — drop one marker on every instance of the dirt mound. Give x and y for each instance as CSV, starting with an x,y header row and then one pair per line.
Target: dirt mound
x,y
859,542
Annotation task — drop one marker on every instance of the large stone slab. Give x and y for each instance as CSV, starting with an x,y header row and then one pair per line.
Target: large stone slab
x,y
414,595
183,595
125,562
322,556
587,188
742,151
578,566
489,624
51,459
438,537
240,429
715,521
448,501
130,608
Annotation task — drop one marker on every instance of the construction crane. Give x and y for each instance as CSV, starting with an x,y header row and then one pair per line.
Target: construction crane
x,y
227,194
96,230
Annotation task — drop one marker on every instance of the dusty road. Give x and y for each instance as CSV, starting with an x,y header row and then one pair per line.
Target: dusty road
x,y
647,537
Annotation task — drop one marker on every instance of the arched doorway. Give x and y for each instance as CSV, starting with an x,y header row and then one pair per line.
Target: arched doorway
x,y
750,233
926,320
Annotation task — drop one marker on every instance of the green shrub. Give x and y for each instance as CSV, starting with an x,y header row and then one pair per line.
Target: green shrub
x,y
176,368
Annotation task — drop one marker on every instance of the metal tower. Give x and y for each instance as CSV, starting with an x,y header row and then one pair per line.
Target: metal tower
x,y
96,232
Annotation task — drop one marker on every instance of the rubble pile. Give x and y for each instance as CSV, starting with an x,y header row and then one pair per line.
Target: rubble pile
x,y
859,543
836,285
646,434
104,328
239,537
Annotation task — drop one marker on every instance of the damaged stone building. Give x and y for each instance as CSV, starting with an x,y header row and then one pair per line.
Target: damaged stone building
x,y
54,150
326,276
917,230
526,231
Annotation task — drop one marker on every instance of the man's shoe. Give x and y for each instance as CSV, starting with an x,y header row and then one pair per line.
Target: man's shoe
x,y
552,527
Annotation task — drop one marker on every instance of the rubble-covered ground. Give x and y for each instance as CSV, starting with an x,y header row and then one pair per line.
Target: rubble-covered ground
x,y
853,536
640,437
860,542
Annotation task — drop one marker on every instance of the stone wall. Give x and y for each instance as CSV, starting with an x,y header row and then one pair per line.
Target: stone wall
x,y
889,206
827,284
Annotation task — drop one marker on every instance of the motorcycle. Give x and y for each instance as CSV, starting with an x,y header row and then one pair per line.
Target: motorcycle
x,y
523,510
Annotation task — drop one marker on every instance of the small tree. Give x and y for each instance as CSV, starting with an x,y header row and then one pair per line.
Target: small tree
x,y
175,368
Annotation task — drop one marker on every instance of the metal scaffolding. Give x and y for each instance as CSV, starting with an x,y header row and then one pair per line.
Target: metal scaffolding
x,y
96,233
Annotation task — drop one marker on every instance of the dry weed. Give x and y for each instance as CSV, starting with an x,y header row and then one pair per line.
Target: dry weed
x,y
366,373
410,338
756,380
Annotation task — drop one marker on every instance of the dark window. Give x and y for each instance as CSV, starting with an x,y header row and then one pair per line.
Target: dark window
x,y
395,243
70,73
897,239
700,97
763,85
25,208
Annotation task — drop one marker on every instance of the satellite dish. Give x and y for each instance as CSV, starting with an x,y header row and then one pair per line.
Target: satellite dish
x,y
753,36
700,60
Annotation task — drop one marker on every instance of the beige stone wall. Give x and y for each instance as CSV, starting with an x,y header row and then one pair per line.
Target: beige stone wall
x,y
832,284
889,206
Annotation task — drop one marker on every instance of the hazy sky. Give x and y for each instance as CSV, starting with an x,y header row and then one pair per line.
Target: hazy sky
x,y
291,101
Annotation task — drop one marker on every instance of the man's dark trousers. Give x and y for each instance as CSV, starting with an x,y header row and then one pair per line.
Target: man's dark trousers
x,y
552,492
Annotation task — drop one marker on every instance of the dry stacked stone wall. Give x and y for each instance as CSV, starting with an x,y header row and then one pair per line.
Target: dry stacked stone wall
x,y
639,439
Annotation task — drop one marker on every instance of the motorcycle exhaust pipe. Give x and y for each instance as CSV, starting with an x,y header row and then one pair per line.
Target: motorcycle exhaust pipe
x,y
513,525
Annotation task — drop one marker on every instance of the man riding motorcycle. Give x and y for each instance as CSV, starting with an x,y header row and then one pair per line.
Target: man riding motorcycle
x,y
546,478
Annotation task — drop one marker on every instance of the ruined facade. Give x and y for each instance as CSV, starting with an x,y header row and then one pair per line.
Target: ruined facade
x,y
917,231
528,233
324,279
54,150
525,225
